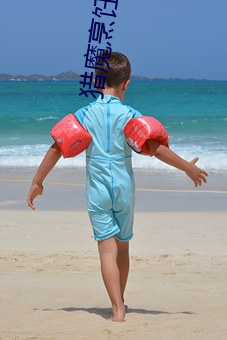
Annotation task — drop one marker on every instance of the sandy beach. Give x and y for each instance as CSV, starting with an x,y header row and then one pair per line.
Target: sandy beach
x,y
51,286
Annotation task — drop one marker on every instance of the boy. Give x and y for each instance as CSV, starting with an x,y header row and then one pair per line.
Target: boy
x,y
110,181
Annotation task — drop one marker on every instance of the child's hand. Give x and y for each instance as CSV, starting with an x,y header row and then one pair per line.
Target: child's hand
x,y
34,191
196,174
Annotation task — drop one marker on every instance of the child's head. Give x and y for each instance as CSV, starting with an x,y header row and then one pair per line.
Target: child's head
x,y
119,70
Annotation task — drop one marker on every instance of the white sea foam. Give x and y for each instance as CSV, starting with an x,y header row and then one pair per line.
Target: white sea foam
x,y
45,118
32,155
211,158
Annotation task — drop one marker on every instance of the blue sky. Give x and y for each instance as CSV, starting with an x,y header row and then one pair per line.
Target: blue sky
x,y
162,38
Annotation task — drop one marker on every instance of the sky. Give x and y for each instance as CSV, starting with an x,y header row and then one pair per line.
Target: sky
x,y
162,38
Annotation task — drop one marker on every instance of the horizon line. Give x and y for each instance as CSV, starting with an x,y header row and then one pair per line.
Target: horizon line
x,y
138,77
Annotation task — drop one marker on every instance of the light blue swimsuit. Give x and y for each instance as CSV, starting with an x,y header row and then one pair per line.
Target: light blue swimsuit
x,y
110,180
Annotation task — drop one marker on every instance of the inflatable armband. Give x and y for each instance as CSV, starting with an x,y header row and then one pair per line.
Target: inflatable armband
x,y
70,136
139,130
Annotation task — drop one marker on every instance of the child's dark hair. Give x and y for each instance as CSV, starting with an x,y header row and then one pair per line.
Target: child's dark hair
x,y
118,72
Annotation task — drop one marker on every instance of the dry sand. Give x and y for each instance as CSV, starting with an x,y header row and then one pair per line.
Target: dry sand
x,y
50,281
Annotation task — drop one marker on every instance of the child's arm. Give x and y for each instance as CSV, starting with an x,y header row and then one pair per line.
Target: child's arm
x,y
49,161
166,155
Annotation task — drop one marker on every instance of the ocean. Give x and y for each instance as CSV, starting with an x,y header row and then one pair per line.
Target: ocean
x,y
193,112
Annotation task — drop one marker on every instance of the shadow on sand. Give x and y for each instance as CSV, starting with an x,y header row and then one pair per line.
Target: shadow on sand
x,y
106,312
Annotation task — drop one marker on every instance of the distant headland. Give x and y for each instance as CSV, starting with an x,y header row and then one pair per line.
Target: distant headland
x,y
63,76
72,76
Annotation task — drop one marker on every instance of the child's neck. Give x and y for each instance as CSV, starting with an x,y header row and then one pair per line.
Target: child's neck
x,y
114,91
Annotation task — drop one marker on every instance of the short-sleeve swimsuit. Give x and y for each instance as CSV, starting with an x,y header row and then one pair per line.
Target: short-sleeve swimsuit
x,y
110,185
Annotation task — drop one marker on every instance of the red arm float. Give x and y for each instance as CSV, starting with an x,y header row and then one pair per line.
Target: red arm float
x,y
139,130
70,136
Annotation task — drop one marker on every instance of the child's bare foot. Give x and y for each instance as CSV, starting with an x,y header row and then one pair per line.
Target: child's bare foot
x,y
118,314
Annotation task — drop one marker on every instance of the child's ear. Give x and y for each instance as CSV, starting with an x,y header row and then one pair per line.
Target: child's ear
x,y
125,85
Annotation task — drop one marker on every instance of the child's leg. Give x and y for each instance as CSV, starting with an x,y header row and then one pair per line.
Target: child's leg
x,y
108,251
123,264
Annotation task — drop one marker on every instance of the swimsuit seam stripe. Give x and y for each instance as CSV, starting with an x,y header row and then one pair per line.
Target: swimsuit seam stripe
x,y
84,111
112,182
108,158
108,129
111,103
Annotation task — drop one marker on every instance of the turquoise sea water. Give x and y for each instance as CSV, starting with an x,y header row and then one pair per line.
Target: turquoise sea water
x,y
193,112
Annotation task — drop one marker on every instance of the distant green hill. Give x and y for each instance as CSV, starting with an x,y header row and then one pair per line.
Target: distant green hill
x,y
64,76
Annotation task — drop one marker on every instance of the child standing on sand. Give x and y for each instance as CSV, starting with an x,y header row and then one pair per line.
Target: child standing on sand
x,y
110,181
